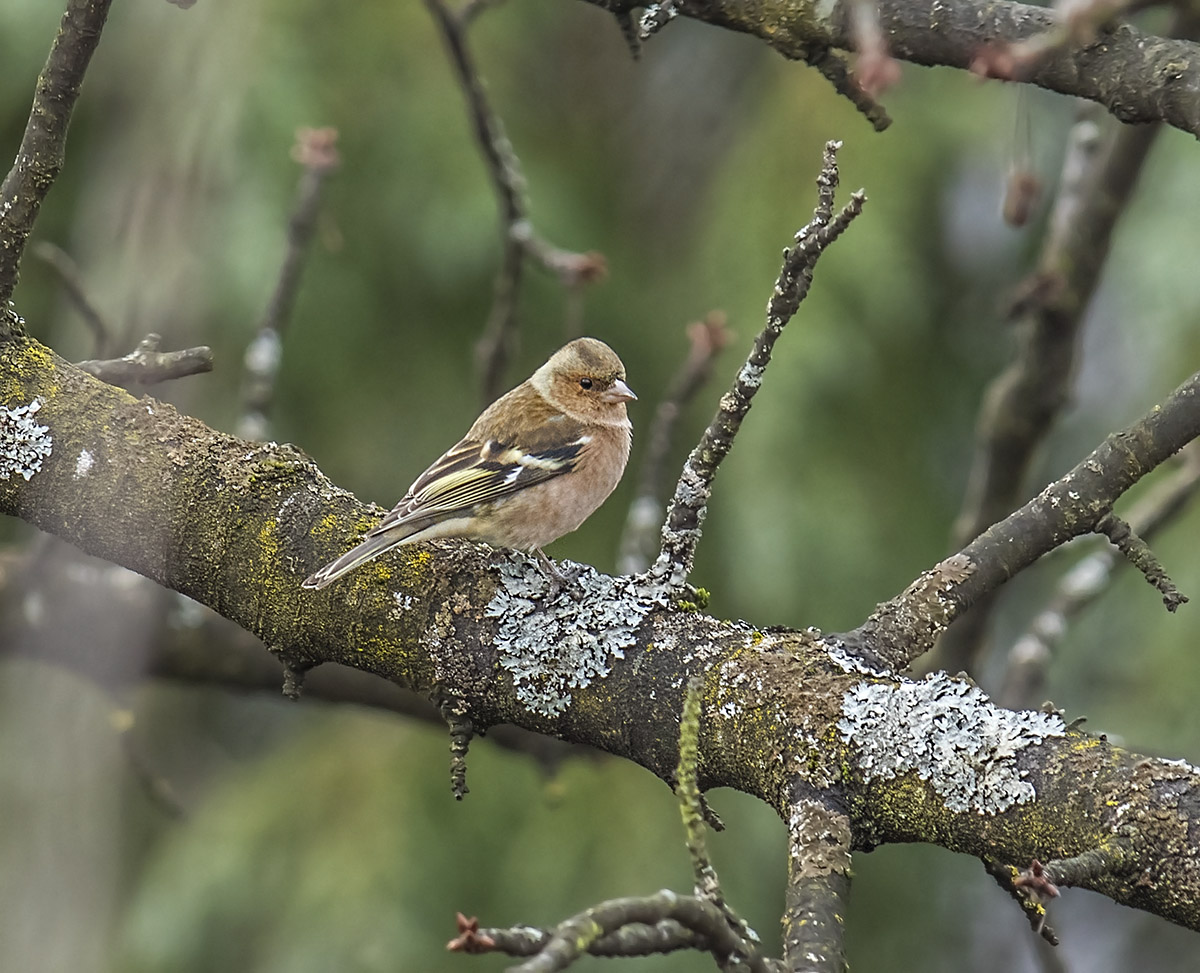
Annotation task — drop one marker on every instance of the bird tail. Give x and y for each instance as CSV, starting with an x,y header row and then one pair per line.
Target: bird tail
x,y
371,547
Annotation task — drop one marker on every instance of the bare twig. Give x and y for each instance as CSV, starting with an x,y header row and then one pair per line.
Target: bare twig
x,y
706,339
521,241
635,939
1030,655
836,71
1138,553
68,273
652,924
681,532
146,365
316,150
1023,402
454,712
43,145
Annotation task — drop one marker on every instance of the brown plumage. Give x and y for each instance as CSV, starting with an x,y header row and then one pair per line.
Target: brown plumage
x,y
534,466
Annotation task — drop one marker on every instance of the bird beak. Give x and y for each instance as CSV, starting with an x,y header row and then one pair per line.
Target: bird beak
x,y
618,392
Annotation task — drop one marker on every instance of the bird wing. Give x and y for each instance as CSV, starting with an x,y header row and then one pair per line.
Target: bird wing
x,y
472,473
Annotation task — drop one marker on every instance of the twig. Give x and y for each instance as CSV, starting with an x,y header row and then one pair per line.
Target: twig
x,y
316,150
146,365
633,939
454,712
1030,655
68,273
1037,884
706,339
903,628
681,532
1138,553
1022,403
836,71
642,926
521,241
43,145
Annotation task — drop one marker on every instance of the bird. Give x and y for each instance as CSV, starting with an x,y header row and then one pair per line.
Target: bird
x,y
534,466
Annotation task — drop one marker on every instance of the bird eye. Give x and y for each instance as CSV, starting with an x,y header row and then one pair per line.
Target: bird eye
x,y
585,382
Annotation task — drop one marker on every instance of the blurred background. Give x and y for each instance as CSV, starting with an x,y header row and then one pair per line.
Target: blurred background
x,y
178,827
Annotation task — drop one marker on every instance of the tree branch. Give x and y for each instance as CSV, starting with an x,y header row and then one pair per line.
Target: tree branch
x,y
1021,405
905,627
43,147
521,241
689,505
1137,76
818,884
237,525
146,365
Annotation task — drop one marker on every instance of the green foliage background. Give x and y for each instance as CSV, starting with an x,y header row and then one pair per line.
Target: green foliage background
x,y
317,838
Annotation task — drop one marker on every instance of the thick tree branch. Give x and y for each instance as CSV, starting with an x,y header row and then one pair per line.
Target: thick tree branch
x,y
1137,76
237,525
43,146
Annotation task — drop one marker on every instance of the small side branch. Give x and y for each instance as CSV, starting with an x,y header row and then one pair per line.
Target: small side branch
x,y
1137,552
902,629
1034,886
462,729
146,365
1029,898
681,532
43,145
692,810
1030,655
642,926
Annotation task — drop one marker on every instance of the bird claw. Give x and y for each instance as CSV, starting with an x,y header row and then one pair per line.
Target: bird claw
x,y
559,579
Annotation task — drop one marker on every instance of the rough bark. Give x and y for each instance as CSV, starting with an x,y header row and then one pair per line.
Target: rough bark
x,y
237,525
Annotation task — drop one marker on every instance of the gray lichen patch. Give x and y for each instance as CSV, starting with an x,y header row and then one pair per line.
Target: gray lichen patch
x,y
553,648
845,659
23,443
948,733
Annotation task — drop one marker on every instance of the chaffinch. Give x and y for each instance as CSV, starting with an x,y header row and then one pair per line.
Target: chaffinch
x,y
534,466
